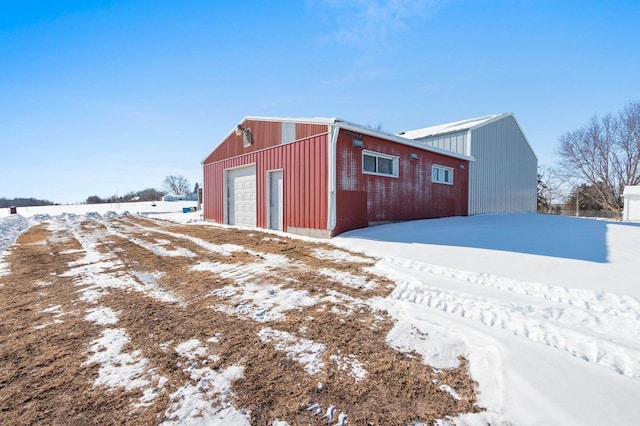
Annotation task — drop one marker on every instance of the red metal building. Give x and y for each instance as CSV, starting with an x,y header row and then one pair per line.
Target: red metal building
x,y
322,177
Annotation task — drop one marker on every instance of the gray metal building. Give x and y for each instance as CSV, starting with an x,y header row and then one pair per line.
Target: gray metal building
x,y
503,177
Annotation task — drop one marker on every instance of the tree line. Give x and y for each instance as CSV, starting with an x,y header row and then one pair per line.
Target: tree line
x,y
149,194
173,184
24,202
595,163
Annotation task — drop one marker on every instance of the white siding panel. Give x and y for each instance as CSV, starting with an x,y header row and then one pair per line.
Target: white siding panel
x,y
631,210
288,132
503,178
455,142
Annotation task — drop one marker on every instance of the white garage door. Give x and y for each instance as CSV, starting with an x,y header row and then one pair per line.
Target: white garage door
x,y
242,196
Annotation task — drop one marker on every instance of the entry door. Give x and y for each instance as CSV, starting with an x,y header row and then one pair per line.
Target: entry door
x,y
242,196
276,200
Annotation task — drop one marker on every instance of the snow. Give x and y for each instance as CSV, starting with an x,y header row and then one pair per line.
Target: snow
x,y
351,366
263,302
340,256
146,208
304,351
102,315
545,308
205,398
329,415
10,229
450,391
118,368
455,126
348,279
96,272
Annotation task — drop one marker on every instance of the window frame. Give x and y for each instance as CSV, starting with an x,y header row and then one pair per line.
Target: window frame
x,y
437,169
395,164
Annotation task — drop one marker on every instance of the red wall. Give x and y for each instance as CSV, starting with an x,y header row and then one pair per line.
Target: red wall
x,y
264,134
305,171
360,198
365,198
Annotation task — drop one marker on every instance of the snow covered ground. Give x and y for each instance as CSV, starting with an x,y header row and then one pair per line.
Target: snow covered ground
x,y
147,208
546,308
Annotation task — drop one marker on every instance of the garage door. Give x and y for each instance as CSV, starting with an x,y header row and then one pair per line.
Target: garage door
x,y
242,196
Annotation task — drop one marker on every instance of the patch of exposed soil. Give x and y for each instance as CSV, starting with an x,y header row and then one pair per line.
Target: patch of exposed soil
x,y
160,301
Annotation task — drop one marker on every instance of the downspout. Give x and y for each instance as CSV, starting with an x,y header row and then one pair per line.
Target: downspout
x,y
467,149
334,130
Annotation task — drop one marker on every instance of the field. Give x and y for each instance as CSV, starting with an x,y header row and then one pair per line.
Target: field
x,y
116,318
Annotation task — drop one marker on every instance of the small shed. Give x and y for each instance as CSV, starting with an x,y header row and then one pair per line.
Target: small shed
x,y
503,177
631,197
324,176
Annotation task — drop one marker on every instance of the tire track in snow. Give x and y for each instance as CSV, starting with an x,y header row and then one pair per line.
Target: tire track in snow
x,y
272,259
97,272
600,301
613,328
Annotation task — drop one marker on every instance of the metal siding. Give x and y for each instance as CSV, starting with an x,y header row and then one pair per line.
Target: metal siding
x,y
410,196
503,178
288,132
455,142
304,130
299,188
264,134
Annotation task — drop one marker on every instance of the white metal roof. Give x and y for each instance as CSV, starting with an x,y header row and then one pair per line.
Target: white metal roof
x,y
456,126
631,190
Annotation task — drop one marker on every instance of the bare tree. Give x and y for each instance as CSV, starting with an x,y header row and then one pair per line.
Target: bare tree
x,y
605,153
550,189
177,185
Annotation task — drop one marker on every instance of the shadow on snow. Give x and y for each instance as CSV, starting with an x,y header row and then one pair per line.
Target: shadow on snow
x,y
538,234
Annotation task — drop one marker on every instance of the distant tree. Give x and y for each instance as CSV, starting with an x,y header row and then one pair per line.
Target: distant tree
x,y
94,199
550,190
585,197
176,185
378,127
195,188
543,202
23,202
605,154
150,194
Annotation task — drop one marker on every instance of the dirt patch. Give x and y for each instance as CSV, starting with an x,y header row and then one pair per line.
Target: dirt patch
x,y
300,335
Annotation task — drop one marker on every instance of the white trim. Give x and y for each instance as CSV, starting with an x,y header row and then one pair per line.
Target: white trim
x,y
268,197
395,163
302,120
332,140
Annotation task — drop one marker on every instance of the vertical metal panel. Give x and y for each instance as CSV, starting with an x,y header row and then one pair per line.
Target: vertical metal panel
x,y
410,196
300,190
455,142
304,130
264,134
503,178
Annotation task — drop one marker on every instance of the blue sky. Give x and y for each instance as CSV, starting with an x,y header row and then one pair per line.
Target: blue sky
x,y
107,97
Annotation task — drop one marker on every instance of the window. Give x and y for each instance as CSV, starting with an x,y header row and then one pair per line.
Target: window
x,y
442,174
379,164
